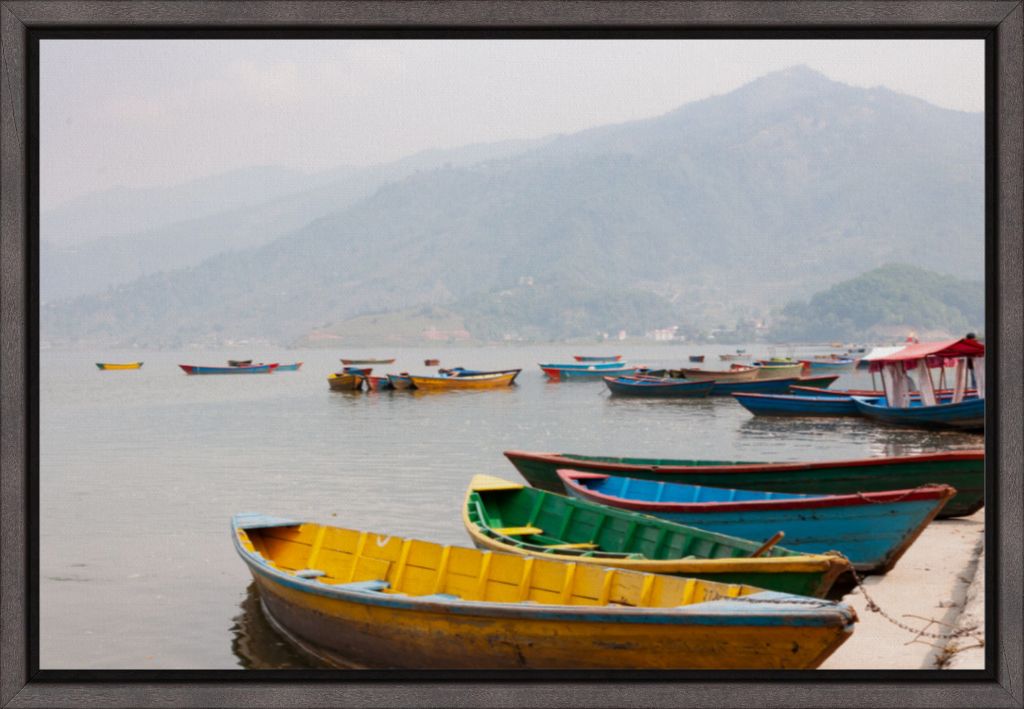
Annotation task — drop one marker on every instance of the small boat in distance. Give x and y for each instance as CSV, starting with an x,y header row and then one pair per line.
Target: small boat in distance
x,y
115,365
774,370
401,381
961,469
463,372
361,599
239,362
829,365
771,386
658,387
871,529
251,369
586,358
796,404
368,361
431,362
345,381
293,367
697,358
473,381
378,383
738,373
561,372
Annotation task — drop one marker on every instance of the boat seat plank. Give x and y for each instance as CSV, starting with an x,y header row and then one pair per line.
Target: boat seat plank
x,y
585,545
310,573
518,531
364,586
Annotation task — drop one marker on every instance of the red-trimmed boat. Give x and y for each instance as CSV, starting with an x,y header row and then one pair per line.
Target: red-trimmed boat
x,y
962,469
249,369
871,529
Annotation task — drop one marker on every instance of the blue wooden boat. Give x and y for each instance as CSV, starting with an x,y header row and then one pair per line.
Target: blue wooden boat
x,y
796,405
560,372
362,371
294,367
252,369
696,358
658,387
770,386
401,381
586,366
966,415
609,358
872,529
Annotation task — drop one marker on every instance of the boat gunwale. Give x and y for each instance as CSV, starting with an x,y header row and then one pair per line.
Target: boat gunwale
x,y
918,494
782,612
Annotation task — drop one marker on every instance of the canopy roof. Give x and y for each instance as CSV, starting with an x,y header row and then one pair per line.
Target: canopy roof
x,y
935,353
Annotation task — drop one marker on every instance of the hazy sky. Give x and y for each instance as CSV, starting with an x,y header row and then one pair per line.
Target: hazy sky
x,y
146,113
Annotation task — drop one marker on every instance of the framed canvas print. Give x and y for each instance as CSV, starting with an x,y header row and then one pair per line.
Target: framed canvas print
x,y
496,353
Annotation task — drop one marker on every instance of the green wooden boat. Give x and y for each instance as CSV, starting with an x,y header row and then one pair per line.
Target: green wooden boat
x,y
510,517
963,469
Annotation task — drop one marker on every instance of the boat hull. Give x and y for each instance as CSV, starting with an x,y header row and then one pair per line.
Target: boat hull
x,y
481,381
610,358
825,366
368,361
872,530
963,470
400,381
967,415
508,612
707,375
795,405
655,388
770,386
779,371
107,366
343,381
558,374
254,369
293,367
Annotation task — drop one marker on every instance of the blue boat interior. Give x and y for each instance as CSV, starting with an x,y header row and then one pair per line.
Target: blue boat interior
x,y
654,491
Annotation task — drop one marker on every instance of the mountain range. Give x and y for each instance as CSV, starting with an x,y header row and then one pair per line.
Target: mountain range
x,y
724,207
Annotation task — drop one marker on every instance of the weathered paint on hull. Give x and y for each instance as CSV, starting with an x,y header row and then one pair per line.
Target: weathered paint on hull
x,y
345,382
963,470
349,634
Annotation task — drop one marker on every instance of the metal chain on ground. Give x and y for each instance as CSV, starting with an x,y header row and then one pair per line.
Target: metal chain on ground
x,y
872,606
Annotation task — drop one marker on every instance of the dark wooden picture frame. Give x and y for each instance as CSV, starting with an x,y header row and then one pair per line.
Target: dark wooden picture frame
x,y
22,684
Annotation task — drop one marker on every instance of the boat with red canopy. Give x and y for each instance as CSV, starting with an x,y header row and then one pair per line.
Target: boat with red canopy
x,y
920,359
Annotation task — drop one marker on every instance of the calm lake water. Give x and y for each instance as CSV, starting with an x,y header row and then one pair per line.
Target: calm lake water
x,y
140,472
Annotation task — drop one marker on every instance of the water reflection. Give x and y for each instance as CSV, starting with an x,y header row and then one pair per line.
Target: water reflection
x,y
258,646
881,439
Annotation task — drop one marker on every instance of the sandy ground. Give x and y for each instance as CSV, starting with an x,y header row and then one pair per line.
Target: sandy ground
x,y
934,580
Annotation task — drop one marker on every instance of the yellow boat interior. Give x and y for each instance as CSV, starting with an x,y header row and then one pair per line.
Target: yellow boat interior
x,y
335,556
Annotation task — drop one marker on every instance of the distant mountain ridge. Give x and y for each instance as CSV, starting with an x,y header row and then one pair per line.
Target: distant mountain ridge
x,y
745,200
126,234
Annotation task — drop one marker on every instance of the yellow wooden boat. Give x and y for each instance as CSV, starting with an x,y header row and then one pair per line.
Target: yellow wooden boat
x,y
343,381
769,370
471,381
115,365
360,599
506,516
